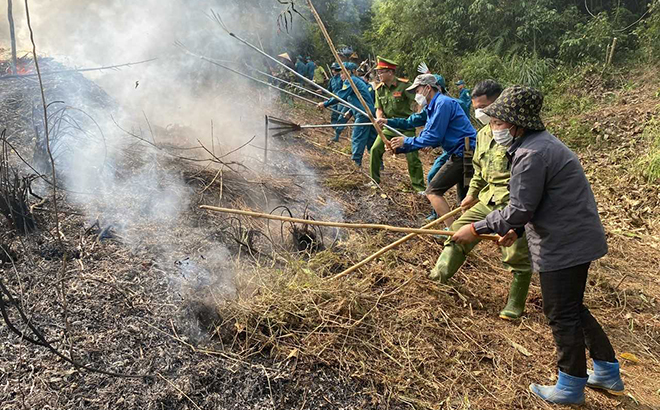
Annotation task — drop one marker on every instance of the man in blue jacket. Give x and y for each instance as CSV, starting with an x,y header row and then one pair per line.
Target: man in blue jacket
x,y
310,67
301,68
447,126
363,137
336,84
465,97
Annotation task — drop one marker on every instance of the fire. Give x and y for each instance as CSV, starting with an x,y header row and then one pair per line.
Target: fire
x,y
22,68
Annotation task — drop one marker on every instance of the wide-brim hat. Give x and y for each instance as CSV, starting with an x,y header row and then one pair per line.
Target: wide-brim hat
x,y
520,106
424,79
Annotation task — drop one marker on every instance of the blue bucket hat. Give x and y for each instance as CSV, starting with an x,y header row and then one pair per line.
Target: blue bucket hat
x,y
350,66
440,80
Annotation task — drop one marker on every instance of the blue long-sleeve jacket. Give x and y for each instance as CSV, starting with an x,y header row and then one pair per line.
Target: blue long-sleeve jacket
x,y
465,99
447,126
301,68
336,84
310,68
346,93
415,120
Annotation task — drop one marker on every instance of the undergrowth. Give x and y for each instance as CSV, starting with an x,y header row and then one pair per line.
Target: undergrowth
x,y
651,162
392,329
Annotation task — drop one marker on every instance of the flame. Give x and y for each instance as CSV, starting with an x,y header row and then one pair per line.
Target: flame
x,y
21,69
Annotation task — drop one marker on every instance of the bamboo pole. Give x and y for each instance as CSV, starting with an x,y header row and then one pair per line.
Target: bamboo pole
x,y
294,72
77,70
338,224
395,244
266,141
267,84
12,36
609,59
379,130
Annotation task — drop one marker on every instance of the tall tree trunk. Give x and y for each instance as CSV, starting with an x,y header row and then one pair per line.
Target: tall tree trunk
x,y
12,36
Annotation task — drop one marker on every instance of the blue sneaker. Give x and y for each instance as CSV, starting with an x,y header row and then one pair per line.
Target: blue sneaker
x,y
568,390
442,237
432,217
606,376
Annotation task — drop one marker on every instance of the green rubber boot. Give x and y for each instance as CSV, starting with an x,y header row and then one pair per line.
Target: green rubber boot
x,y
517,296
450,261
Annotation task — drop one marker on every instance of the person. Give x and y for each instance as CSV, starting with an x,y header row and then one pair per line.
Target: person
x,y
489,190
444,157
446,126
301,68
550,197
320,75
285,75
392,101
336,84
363,137
310,67
464,97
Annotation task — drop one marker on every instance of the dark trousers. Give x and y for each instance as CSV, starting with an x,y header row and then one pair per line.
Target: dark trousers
x,y
572,325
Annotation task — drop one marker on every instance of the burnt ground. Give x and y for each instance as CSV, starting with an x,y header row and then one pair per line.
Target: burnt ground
x,y
190,305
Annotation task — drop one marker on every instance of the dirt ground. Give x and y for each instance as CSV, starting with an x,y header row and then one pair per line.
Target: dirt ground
x,y
190,314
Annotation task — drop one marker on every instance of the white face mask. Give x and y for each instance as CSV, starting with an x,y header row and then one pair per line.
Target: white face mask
x,y
421,100
503,137
483,118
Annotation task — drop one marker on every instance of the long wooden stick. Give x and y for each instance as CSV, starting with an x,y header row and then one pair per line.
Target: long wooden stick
x,y
396,244
12,36
338,224
348,76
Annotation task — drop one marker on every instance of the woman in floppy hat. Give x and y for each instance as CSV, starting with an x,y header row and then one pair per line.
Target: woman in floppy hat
x,y
552,200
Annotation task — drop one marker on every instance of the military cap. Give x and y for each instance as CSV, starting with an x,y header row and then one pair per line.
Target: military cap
x,y
520,106
460,82
335,66
385,64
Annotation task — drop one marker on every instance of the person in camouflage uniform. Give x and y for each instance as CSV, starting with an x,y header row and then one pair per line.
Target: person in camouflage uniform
x,y
392,101
489,190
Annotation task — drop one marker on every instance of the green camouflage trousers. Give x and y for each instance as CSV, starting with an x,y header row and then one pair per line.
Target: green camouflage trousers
x,y
514,258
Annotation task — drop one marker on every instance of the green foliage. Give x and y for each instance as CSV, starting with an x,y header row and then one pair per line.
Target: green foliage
x,y
651,162
589,42
649,34
513,41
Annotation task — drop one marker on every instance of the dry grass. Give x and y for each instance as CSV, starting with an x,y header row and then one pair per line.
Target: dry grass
x,y
440,347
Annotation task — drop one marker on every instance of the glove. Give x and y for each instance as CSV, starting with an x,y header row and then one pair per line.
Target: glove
x,y
423,68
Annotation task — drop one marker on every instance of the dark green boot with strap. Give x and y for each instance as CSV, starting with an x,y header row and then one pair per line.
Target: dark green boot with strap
x,y
449,262
517,296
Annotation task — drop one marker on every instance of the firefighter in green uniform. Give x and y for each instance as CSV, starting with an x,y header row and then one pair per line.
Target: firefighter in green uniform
x,y
489,190
392,101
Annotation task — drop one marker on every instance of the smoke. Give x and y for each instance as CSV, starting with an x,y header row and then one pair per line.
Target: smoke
x,y
120,181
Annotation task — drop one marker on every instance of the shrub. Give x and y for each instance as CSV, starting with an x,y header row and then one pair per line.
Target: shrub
x,y
651,162
649,34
